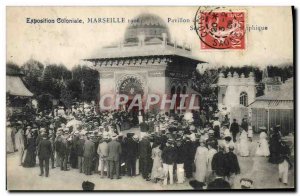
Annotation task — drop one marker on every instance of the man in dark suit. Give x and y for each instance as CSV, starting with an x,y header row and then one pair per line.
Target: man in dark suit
x,y
145,156
232,166
188,158
131,155
114,151
79,149
151,125
234,129
64,153
219,163
88,153
44,153
144,127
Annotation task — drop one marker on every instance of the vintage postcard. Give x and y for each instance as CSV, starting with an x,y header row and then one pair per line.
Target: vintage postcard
x,y
150,98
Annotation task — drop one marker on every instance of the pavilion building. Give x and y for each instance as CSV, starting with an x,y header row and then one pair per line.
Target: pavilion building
x,y
145,62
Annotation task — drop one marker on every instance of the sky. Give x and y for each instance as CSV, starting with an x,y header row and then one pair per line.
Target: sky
x,y
69,43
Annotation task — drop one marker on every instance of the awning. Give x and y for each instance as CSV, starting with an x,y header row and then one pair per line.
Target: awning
x,y
274,104
16,87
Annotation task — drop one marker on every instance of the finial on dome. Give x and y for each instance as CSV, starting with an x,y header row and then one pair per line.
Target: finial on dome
x,y
164,35
141,37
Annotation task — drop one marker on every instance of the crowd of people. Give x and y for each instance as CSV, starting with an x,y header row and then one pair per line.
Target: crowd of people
x,y
168,148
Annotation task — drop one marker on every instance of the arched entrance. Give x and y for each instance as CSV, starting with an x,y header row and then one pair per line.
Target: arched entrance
x,y
131,86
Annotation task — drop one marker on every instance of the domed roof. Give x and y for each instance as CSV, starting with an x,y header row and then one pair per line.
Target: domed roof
x,y
151,26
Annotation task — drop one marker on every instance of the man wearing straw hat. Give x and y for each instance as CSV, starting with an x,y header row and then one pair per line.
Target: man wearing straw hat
x,y
88,153
79,150
103,153
114,151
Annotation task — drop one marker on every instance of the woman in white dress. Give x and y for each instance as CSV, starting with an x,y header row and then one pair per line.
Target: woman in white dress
x,y
210,155
9,141
156,173
244,147
201,162
263,146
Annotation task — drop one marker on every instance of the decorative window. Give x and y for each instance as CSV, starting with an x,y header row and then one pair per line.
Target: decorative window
x,y
223,98
173,90
184,90
244,99
178,90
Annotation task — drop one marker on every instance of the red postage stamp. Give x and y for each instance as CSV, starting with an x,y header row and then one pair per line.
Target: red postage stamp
x,y
221,29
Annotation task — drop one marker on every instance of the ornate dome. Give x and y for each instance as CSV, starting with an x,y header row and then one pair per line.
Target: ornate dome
x,y
151,26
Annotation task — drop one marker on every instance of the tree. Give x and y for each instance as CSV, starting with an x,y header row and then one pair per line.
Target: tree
x,y
66,97
75,88
12,69
44,102
284,72
32,70
260,89
204,83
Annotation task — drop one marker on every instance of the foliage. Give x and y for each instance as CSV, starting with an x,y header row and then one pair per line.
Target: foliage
x,y
204,84
33,68
75,89
55,81
284,72
89,81
12,69
66,97
44,102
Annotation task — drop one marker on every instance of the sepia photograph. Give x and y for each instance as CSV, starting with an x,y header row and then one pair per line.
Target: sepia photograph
x,y
195,98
